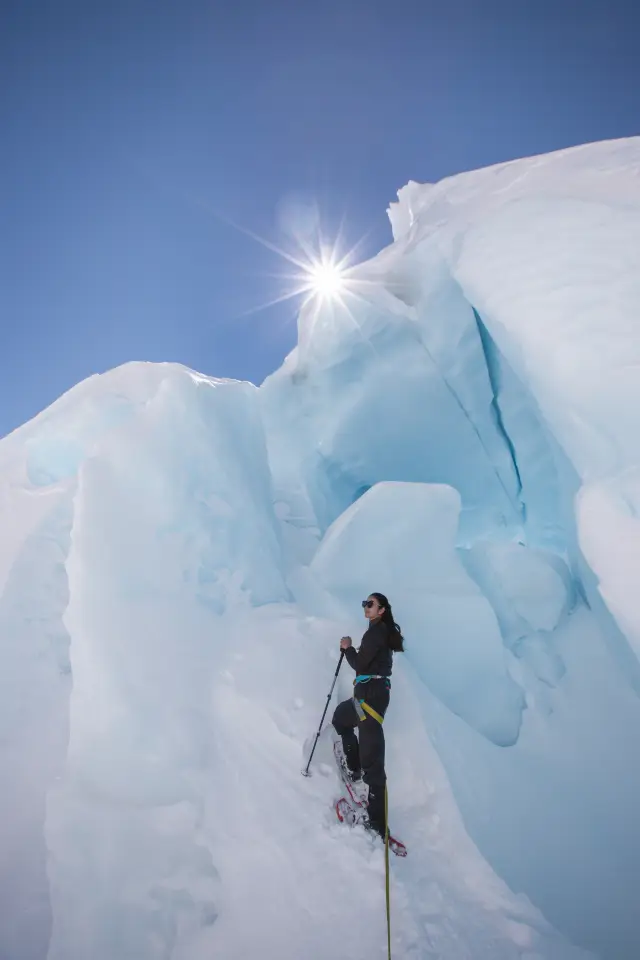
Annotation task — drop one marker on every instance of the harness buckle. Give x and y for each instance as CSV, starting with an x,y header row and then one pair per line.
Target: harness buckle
x,y
363,708
359,711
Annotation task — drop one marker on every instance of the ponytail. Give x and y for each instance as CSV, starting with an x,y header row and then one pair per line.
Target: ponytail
x,y
396,640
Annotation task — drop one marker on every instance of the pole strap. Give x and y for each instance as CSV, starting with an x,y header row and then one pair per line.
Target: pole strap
x,y
386,868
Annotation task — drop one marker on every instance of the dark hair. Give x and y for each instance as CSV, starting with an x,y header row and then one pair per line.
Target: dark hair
x,y
396,640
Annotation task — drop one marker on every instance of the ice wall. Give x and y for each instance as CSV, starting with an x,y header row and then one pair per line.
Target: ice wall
x,y
35,681
548,253
145,508
371,394
403,534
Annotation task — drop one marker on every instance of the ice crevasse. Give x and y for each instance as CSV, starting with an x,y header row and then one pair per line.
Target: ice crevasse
x,y
180,554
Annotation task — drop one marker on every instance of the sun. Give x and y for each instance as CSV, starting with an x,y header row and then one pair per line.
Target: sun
x,y
322,275
326,279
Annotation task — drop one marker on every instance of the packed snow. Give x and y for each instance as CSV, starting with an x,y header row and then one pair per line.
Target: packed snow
x,y
181,554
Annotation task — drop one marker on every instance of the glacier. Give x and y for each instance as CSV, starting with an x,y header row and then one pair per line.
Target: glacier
x,y
181,554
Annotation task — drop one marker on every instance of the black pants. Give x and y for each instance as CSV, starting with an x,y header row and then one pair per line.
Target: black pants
x,y
368,753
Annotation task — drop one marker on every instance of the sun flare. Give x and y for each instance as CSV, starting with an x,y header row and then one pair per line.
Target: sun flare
x,y
326,279
321,276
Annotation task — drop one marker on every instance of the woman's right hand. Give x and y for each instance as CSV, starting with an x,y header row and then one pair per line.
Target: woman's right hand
x,y
345,643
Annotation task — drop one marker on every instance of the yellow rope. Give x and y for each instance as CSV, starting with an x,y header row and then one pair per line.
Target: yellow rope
x,y
386,867
376,716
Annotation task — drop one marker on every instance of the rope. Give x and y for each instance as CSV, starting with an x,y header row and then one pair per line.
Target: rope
x,y
386,868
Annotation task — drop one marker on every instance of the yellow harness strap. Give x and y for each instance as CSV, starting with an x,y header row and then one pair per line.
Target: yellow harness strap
x,y
372,713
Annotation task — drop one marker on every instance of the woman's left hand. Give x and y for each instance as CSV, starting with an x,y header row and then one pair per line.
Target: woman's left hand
x,y
345,643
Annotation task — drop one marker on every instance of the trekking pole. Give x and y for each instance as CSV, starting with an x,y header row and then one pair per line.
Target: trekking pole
x,y
305,773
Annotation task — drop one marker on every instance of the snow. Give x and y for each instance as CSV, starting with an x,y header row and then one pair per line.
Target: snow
x,y
181,554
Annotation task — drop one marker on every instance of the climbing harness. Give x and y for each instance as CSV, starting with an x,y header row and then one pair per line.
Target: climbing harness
x,y
365,677
362,709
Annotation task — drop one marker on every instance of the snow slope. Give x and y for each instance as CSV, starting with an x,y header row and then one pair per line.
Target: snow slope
x,y
181,554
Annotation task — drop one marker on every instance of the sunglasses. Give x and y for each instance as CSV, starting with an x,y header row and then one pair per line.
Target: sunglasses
x,y
367,603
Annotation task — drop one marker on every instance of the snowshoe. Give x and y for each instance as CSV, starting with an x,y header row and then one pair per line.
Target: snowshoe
x,y
352,809
353,817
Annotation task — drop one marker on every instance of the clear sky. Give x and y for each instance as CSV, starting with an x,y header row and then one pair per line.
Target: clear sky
x,y
133,131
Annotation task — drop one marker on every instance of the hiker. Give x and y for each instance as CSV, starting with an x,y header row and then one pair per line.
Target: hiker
x,y
366,709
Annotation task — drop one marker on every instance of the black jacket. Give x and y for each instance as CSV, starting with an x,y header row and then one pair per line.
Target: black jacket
x,y
374,656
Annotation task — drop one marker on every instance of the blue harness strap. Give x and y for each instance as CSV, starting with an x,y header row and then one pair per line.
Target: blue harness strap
x,y
365,677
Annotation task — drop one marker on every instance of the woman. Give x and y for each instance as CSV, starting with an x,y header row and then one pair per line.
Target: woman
x,y
372,663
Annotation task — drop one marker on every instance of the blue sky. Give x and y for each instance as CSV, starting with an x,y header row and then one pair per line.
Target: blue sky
x,y
133,131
